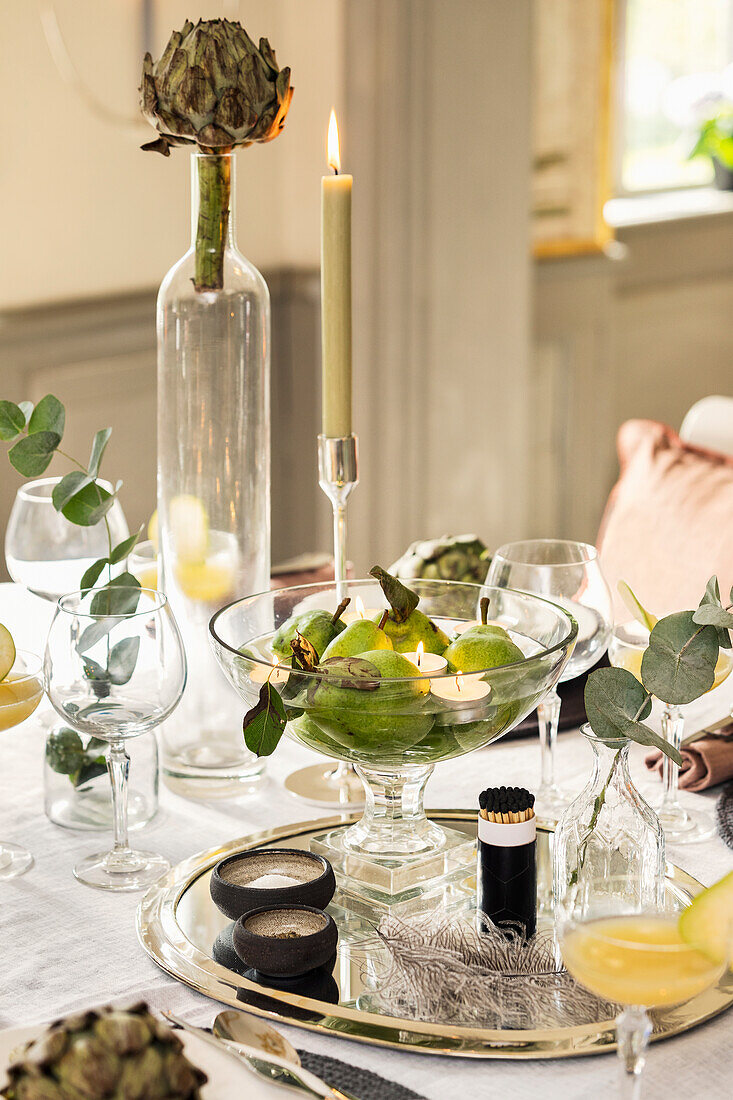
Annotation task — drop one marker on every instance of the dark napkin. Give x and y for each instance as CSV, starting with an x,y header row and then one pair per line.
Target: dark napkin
x,y
360,1082
572,712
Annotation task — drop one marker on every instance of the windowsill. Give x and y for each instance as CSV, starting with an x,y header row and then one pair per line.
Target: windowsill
x,y
667,206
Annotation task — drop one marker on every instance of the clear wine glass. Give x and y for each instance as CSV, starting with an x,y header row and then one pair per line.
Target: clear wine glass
x,y
681,826
569,574
115,668
47,554
20,693
634,955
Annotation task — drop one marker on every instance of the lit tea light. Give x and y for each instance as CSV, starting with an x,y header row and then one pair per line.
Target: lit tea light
x,y
459,690
360,612
276,674
427,662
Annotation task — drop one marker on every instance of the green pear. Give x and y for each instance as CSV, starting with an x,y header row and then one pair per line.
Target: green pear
x,y
381,721
475,652
405,626
318,627
358,638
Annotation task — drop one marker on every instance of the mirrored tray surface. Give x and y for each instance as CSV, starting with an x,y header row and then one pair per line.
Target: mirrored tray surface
x,y
178,925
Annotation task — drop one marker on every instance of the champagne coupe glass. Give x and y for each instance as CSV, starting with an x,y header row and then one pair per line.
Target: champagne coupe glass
x,y
569,574
47,554
633,955
115,668
20,693
681,826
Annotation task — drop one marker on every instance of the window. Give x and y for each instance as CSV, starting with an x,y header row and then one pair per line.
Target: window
x,y
673,56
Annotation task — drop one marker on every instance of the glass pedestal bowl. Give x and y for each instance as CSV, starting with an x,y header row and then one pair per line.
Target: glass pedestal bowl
x,y
396,730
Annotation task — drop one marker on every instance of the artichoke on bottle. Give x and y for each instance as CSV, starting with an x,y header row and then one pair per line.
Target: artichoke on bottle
x,y
125,1054
213,88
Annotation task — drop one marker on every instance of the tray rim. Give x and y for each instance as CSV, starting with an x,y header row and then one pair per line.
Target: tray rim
x,y
166,944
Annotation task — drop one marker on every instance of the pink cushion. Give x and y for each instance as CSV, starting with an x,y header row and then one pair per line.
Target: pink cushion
x,y
668,523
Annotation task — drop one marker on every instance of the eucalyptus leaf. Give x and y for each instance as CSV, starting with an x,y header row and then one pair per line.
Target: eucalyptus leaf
x,y
120,596
122,660
91,769
94,633
709,613
68,487
679,663
94,671
616,704
12,420
88,506
264,724
49,415
31,455
614,701
401,599
93,573
123,549
100,441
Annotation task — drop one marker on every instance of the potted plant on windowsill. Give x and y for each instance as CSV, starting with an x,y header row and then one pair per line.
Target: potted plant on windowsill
x,y
715,140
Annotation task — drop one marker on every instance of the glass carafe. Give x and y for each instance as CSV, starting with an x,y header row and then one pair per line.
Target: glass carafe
x,y
213,472
609,830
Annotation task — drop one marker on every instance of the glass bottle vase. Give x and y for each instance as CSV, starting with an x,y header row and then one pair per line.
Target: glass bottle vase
x,y
213,322
609,832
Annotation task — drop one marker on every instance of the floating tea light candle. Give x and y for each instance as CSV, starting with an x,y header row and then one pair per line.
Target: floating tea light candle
x,y
360,612
459,690
427,662
277,674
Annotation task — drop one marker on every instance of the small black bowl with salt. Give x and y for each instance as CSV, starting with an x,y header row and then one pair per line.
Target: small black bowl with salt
x,y
285,942
272,877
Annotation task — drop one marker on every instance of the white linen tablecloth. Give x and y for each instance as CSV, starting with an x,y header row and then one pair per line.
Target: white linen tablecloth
x,y
65,945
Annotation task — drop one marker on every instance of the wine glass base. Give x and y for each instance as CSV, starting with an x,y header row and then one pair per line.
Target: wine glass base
x,y
14,860
137,872
686,826
551,803
322,786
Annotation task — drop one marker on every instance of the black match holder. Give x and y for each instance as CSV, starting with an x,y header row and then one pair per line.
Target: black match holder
x,y
507,873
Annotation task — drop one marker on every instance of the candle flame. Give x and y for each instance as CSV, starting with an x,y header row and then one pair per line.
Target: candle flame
x,y
360,609
334,156
419,651
459,681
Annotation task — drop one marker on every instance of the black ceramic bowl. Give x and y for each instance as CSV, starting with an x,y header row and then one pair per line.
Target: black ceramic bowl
x,y
231,893
285,941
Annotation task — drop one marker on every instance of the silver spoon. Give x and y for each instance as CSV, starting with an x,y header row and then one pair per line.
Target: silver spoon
x,y
278,1075
238,1027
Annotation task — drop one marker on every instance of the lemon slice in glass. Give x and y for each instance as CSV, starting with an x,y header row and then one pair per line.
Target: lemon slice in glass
x,y
707,923
189,528
7,651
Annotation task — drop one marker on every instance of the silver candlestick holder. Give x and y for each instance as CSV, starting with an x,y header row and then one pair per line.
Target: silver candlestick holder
x,y
335,786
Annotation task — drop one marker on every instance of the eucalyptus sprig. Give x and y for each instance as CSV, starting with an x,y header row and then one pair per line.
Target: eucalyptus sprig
x,y
677,667
36,433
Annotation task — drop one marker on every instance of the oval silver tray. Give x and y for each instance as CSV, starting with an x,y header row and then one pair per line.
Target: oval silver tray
x,y
178,923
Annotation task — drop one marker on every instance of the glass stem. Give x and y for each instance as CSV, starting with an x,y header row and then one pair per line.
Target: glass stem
x,y
339,546
633,1030
673,725
118,765
394,821
548,719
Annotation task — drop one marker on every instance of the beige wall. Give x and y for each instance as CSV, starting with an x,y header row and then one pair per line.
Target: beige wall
x,y
84,212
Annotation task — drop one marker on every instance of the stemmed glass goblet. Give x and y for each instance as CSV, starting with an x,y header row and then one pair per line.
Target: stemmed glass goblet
x,y
681,826
633,955
569,574
20,693
115,668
